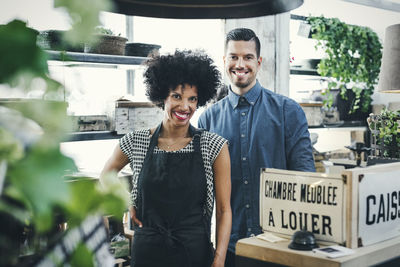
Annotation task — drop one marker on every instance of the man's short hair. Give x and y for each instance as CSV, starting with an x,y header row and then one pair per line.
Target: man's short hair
x,y
243,34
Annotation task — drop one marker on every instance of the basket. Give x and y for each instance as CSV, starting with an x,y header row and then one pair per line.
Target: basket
x,y
108,44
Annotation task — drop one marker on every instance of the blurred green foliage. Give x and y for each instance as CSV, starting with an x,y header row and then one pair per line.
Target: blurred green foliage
x,y
34,191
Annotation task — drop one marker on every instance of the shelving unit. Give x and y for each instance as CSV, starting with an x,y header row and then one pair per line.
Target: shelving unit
x,y
98,59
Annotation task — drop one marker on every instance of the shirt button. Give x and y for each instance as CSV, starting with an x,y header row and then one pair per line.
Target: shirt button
x,y
247,206
244,158
242,135
246,182
249,229
241,99
243,113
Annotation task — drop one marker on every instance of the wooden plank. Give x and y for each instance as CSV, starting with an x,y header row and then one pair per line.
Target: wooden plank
x,y
279,253
130,104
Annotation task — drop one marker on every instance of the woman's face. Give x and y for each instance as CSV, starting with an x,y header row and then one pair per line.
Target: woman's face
x,y
180,105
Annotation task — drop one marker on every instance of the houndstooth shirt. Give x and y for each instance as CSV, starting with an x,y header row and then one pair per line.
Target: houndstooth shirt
x,y
135,145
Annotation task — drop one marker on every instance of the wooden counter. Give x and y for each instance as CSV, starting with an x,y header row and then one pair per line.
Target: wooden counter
x,y
255,252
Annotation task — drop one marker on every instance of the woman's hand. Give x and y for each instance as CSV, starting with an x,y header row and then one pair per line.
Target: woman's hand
x,y
218,261
135,220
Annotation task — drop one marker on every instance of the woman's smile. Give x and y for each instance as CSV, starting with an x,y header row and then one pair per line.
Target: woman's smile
x,y
181,116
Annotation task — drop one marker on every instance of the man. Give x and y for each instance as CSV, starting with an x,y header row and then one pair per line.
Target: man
x,y
264,130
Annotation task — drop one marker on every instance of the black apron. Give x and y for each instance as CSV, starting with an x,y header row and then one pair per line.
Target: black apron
x,y
171,198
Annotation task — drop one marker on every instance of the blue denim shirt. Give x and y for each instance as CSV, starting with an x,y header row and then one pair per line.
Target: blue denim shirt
x,y
264,130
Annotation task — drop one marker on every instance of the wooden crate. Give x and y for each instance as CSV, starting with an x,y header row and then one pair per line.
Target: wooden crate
x,y
373,204
292,200
90,123
130,116
359,207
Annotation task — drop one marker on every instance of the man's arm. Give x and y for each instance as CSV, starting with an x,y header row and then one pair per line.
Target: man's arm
x,y
298,143
202,122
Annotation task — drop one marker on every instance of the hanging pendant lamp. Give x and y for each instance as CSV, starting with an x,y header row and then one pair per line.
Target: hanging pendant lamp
x,y
389,76
204,9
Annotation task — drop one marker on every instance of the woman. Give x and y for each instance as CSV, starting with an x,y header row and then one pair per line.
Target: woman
x,y
177,168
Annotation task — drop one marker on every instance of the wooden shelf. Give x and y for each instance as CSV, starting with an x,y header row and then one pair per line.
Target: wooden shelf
x,y
94,58
92,135
304,72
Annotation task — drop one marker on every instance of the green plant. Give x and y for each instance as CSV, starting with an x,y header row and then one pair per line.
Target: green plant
x,y
385,129
352,59
106,31
35,193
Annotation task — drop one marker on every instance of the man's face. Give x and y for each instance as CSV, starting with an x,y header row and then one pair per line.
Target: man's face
x,y
241,65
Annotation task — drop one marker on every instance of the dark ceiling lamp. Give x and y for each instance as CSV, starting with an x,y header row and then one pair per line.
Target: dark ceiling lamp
x,y
204,9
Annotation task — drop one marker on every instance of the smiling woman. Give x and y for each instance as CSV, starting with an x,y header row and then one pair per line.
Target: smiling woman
x,y
177,168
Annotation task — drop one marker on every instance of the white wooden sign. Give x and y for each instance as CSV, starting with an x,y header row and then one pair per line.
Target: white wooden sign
x,y
291,201
379,206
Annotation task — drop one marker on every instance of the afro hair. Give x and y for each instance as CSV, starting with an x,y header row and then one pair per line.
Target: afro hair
x,y
164,73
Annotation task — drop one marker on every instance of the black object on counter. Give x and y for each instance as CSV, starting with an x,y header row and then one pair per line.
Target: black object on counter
x,y
303,240
359,148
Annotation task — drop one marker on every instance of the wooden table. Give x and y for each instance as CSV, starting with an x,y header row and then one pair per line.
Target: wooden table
x,y
255,252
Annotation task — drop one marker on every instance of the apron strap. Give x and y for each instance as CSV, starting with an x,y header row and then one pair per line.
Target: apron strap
x,y
196,133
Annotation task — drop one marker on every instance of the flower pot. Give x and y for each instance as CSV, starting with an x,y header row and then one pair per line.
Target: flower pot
x,y
141,49
107,44
53,40
344,107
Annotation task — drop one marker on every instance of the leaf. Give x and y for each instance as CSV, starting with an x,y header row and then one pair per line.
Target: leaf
x,y
84,20
86,198
82,256
38,180
11,149
19,53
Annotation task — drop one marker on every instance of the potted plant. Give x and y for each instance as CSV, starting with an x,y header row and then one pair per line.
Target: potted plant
x,y
106,42
352,60
35,191
385,133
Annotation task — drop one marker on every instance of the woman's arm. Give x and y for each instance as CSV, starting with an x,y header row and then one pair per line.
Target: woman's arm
x,y
222,178
115,163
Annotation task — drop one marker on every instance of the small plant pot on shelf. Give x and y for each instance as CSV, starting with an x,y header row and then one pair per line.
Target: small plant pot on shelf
x,y
141,49
344,107
53,40
107,44
385,134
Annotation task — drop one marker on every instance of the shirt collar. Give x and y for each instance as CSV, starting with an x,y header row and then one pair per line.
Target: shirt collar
x,y
251,96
